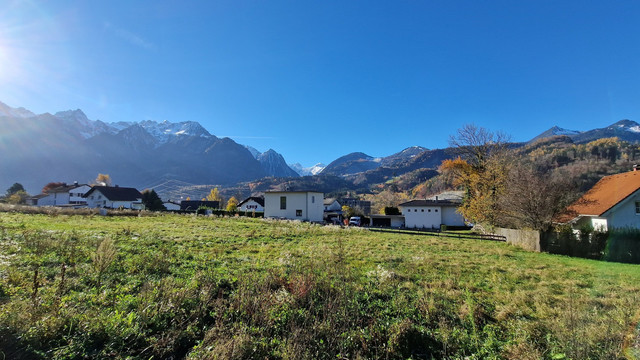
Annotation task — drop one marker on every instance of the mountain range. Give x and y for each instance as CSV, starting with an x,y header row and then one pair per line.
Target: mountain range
x,y
625,130
67,146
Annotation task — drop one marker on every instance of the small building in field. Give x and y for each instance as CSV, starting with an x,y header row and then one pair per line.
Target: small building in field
x,y
613,202
114,197
251,204
431,214
294,205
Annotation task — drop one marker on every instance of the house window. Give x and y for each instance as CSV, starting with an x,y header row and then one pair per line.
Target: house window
x,y
429,210
436,210
637,207
283,202
298,212
408,210
422,210
313,199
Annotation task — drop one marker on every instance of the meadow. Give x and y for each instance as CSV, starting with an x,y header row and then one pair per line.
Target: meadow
x,y
195,287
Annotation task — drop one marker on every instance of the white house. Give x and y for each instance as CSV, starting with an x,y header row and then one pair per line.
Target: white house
x,y
613,202
253,203
114,197
295,205
431,214
64,195
331,204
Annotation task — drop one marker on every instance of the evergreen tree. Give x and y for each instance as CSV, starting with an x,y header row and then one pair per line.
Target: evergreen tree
x,y
152,201
14,189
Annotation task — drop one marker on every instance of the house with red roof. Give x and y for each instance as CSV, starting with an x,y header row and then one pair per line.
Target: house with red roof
x,y
613,202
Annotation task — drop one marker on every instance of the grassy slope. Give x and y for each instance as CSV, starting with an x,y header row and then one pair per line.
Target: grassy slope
x,y
245,288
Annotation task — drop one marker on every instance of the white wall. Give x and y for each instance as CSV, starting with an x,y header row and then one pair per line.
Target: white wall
x,y
54,199
422,216
97,199
309,206
624,214
451,217
75,195
251,205
597,223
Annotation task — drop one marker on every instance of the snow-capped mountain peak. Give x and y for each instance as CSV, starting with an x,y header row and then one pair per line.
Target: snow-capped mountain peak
x,y
628,125
307,171
560,131
164,130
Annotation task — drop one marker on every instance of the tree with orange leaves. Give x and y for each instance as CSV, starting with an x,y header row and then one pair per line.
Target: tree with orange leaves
x,y
481,170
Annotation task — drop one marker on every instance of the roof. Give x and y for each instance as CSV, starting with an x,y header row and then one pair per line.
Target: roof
x,y
291,192
431,203
116,193
65,188
329,201
39,196
603,196
258,199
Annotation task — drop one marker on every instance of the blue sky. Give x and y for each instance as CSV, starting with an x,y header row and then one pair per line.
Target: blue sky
x,y
316,80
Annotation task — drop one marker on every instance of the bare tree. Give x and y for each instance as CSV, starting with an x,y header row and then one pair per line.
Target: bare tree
x,y
532,198
477,145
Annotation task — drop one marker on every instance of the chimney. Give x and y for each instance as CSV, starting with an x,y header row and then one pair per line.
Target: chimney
x,y
75,183
436,198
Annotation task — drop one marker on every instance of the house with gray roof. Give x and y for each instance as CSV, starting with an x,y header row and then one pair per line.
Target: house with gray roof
x,y
114,197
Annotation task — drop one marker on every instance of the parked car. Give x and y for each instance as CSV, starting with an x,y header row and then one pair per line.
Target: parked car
x,y
355,221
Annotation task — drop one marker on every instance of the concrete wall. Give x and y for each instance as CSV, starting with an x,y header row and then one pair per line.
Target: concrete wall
x,y
526,239
451,217
422,217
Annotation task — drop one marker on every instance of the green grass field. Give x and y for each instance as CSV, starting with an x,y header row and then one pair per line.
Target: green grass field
x,y
175,286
